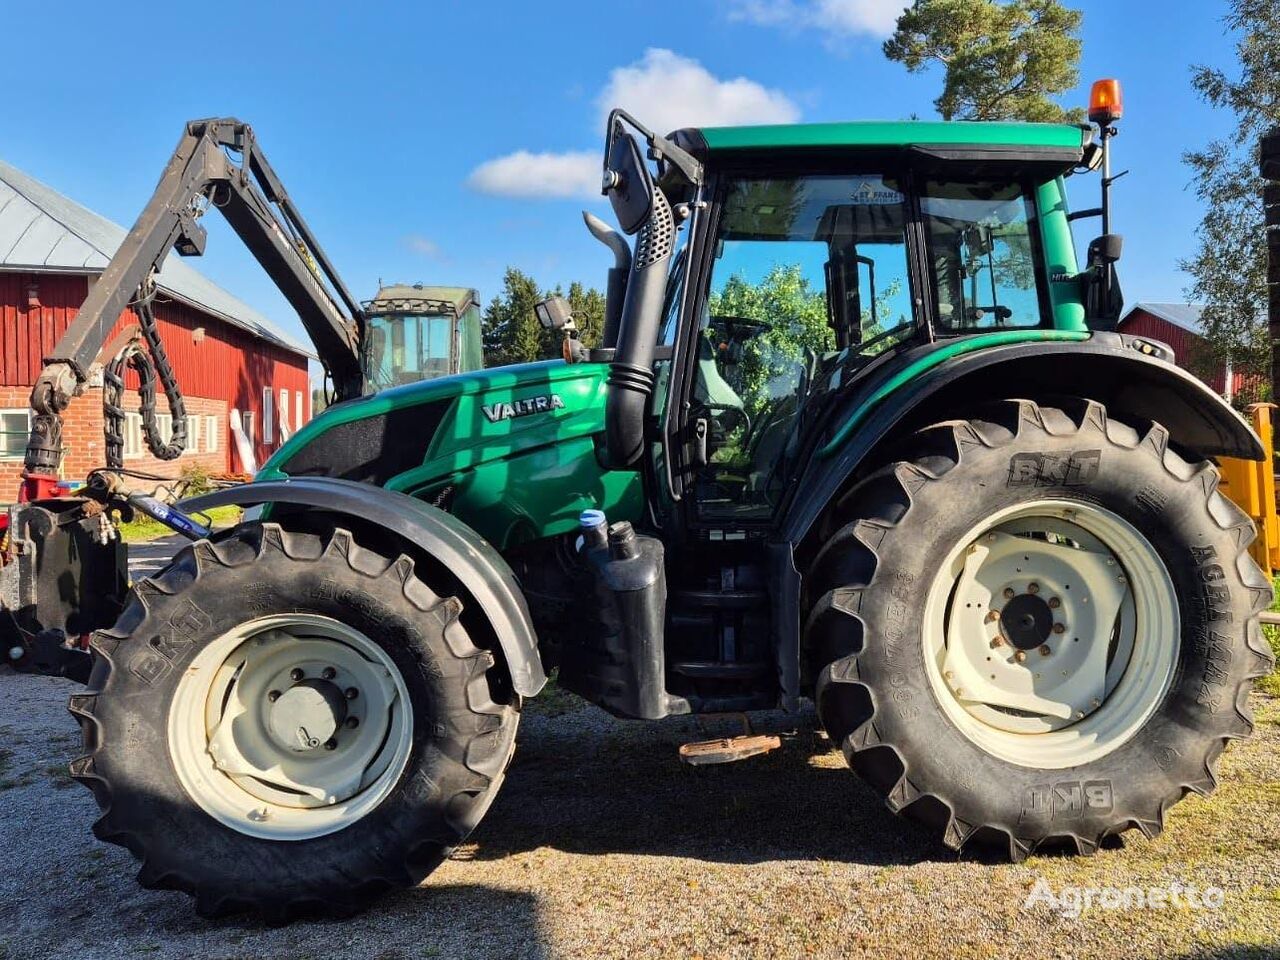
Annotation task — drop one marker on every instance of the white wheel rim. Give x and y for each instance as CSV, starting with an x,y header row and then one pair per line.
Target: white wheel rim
x,y
1106,654
290,727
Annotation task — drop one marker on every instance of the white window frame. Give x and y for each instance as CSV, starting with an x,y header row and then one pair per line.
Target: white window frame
x,y
22,446
211,433
164,426
193,435
286,428
299,414
268,420
133,444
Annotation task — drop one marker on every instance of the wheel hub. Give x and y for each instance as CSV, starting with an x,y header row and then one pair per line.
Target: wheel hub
x,y
1026,621
290,726
307,715
1044,647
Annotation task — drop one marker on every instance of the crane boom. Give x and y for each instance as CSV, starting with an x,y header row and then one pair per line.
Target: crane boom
x,y
202,173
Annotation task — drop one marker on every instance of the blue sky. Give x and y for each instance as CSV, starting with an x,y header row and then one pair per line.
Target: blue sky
x,y
443,141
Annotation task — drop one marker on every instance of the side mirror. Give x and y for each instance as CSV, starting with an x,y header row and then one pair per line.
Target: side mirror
x,y
1103,298
626,180
554,313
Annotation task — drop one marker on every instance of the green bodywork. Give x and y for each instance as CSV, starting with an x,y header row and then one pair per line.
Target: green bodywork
x,y
527,477
894,133
514,479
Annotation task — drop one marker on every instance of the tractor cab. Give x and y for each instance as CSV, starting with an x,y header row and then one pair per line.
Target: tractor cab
x,y
415,332
798,261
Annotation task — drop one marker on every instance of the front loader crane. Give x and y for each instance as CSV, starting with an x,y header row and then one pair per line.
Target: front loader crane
x,y
217,164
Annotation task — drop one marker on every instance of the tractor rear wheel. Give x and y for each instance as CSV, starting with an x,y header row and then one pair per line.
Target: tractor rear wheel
x,y
290,722
1037,627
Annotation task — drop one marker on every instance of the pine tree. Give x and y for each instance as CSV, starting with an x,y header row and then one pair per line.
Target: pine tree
x,y
1002,61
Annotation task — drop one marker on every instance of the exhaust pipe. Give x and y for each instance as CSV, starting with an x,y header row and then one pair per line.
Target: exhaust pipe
x,y
631,373
616,284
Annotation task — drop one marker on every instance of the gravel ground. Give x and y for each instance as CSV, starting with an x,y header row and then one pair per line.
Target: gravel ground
x,y
602,845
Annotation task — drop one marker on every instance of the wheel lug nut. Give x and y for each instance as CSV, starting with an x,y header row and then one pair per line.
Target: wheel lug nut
x,y
352,693
296,674
1054,603
1020,656
330,744
1045,650
1059,628
328,673
997,642
273,696
1008,593
1033,587
353,722
993,616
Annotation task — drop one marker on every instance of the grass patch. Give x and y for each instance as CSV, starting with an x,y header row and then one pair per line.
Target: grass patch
x,y
554,700
1271,684
144,528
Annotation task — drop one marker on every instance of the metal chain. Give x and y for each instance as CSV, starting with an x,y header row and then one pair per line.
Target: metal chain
x,y
149,369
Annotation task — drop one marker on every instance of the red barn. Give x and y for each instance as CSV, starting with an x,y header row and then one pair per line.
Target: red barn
x,y
1178,325
245,383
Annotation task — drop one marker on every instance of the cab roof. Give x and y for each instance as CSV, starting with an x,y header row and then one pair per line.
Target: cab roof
x,y
898,133
420,298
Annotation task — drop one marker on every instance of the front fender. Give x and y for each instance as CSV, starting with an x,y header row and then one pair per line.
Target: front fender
x,y
477,565
1108,367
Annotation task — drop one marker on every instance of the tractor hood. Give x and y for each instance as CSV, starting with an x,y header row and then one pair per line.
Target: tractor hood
x,y
510,450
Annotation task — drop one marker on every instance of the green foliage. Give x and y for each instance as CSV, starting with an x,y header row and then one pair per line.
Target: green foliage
x,y
797,318
194,480
1002,61
1229,268
511,331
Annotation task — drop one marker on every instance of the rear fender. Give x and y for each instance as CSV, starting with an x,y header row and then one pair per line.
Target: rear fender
x,y
477,565
1109,368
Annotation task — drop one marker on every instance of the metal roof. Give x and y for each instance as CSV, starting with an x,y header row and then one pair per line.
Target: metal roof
x,y
43,231
392,296
1184,315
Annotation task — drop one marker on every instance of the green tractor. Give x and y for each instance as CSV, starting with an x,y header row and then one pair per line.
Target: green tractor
x,y
859,432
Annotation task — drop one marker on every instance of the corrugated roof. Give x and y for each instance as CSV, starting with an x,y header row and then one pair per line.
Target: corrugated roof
x,y
1184,315
42,230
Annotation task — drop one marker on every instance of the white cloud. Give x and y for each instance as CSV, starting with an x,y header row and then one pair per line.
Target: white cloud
x,y
527,174
422,245
664,91
872,17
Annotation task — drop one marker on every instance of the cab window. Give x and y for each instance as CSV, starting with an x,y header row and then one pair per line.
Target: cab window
x,y
982,255
808,272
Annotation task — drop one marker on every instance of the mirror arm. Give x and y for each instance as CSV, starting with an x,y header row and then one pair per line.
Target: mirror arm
x,y
661,147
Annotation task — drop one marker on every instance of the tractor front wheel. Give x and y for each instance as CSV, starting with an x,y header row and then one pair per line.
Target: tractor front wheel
x,y
291,722
1038,625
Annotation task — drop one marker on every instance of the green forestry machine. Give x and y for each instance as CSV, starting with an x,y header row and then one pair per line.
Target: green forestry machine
x,y
415,332
859,432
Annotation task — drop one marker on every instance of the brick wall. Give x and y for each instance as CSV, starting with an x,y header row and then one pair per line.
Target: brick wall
x,y
83,443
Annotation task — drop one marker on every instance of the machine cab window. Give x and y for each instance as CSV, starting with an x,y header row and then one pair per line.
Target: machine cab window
x,y
808,272
981,254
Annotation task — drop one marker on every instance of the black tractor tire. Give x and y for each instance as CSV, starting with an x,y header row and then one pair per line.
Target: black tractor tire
x,y
462,739
866,588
